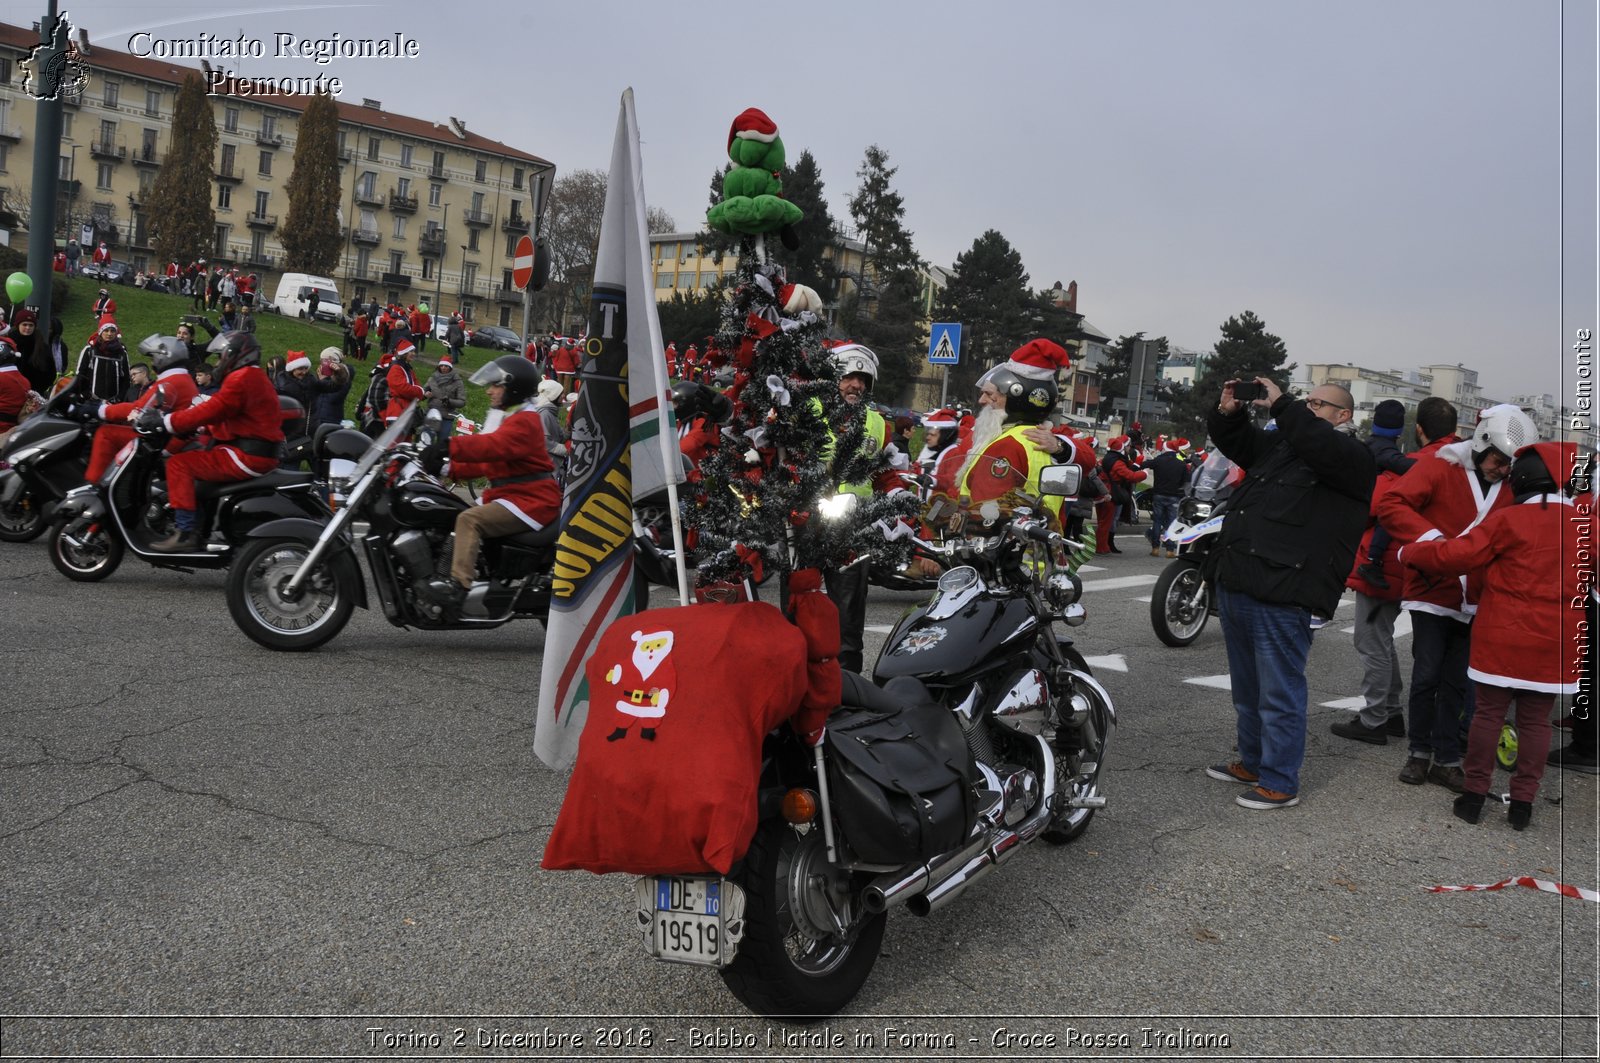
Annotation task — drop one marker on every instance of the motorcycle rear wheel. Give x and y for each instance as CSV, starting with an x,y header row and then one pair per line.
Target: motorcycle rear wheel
x,y
791,963
1180,603
261,609
83,550
23,520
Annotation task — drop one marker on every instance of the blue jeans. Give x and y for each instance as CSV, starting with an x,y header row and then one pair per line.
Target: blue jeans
x,y
1267,649
1162,514
1441,705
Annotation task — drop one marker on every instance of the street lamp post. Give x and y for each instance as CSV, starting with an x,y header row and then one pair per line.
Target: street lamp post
x,y
438,286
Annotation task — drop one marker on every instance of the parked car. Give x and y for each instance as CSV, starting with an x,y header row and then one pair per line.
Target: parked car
x,y
496,338
112,272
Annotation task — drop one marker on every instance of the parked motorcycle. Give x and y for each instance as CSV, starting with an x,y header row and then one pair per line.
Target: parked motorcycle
x,y
988,732
43,458
298,580
96,524
1182,601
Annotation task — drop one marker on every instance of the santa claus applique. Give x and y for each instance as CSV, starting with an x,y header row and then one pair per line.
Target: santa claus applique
x,y
645,683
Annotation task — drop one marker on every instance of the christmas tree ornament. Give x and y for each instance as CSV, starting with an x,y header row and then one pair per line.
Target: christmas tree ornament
x,y
752,192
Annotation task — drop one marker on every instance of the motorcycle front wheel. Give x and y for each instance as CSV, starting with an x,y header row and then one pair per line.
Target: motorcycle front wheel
x,y
21,521
261,606
1180,604
84,550
793,963
1080,761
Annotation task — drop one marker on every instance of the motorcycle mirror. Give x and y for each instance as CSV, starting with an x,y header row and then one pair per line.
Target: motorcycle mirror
x,y
1060,480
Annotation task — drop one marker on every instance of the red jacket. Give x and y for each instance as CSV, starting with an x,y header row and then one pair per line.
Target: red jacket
x,y
403,390
514,450
244,407
564,360
1530,614
13,392
101,254
1438,497
181,392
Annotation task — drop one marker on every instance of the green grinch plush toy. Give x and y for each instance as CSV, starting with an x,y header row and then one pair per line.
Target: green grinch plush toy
x,y
752,194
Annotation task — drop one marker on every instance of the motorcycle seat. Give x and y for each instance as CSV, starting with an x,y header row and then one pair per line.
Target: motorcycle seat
x,y
204,490
534,540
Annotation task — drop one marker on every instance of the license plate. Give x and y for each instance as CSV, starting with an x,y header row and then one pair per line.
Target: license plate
x,y
690,919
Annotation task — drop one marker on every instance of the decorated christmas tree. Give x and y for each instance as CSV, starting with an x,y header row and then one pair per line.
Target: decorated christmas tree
x,y
793,440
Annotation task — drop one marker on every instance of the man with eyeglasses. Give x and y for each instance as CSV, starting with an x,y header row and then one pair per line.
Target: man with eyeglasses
x,y
1286,546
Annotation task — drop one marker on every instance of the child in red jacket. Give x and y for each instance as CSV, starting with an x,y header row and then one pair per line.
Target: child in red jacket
x,y
1525,556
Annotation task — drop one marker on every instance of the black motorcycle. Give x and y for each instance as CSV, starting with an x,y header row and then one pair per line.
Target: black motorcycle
x,y
298,581
43,458
96,524
1182,600
988,732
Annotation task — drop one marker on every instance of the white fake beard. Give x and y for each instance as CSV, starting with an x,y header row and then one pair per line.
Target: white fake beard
x,y
986,427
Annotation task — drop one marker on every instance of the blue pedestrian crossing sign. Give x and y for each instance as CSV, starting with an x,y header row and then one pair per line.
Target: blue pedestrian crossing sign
x,y
944,343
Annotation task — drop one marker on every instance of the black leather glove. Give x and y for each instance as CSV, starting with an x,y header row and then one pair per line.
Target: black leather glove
x,y
83,412
149,422
433,456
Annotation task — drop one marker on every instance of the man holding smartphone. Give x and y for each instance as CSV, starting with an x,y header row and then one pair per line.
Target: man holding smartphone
x,y
1286,546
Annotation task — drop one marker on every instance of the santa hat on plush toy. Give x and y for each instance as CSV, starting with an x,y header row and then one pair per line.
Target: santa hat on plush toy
x,y
753,124
797,297
1038,359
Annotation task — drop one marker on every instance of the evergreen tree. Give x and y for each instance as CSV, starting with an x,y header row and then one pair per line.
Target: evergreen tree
x,y
1245,351
310,232
988,294
886,311
183,224
690,316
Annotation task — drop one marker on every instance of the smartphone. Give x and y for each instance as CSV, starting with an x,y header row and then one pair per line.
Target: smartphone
x,y
1247,391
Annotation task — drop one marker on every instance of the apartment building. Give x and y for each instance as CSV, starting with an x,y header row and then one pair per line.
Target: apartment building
x,y
429,209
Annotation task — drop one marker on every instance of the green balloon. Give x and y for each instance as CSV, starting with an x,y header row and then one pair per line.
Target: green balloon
x,y
19,286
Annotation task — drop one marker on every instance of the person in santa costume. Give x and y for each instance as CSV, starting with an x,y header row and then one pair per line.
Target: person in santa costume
x,y
102,254
104,305
246,428
1530,615
1011,445
14,387
102,371
402,381
511,454
178,389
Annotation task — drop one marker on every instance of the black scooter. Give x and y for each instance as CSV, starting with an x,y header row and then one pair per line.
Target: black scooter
x,y
43,458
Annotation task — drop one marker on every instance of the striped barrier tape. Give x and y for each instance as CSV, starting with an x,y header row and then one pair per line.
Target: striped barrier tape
x,y
1543,885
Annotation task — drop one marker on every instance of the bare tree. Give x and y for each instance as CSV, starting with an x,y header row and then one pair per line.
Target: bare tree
x,y
572,237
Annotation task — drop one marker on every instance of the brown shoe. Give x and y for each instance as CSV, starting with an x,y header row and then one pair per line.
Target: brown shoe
x,y
1233,772
1172,553
1415,773
1452,779
1155,551
179,542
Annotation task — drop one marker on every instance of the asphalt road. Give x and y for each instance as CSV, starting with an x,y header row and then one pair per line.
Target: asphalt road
x,y
208,849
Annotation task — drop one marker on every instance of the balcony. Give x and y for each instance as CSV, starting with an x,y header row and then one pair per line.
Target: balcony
x,y
368,197
515,224
147,155
269,140
478,219
261,259
365,237
229,173
402,204
261,221
470,289
347,154
72,97
10,134
437,173
507,295
105,149
401,281
431,245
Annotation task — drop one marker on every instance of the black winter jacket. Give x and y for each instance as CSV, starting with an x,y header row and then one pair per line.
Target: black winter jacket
x,y
1293,525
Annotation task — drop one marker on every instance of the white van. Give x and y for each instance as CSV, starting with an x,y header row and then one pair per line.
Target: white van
x,y
294,296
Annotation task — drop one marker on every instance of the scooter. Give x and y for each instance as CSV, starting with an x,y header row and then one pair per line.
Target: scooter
x,y
43,458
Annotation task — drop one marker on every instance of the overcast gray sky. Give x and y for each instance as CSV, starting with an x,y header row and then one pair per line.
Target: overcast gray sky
x,y
1380,181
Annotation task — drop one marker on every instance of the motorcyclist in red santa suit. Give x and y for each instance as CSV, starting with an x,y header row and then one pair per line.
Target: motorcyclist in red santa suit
x,y
246,430
511,454
178,390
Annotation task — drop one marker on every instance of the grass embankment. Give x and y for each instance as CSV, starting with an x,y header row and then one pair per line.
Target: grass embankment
x,y
141,314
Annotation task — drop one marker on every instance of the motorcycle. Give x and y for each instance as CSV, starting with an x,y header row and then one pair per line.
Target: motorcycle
x,y
1182,601
298,580
43,458
96,524
1005,728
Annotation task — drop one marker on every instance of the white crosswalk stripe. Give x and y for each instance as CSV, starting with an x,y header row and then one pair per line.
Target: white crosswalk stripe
x,y
1111,662
1216,682
1120,583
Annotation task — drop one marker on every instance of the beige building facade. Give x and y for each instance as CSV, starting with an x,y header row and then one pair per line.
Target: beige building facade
x,y
429,210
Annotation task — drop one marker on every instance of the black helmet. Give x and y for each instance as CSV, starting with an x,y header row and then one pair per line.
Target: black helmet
x,y
234,350
1531,476
516,373
1028,399
9,355
691,400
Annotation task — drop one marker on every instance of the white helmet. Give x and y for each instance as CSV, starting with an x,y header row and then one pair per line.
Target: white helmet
x,y
854,358
1504,428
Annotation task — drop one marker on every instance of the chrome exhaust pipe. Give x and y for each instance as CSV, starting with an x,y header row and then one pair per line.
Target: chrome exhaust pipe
x,y
1006,843
898,886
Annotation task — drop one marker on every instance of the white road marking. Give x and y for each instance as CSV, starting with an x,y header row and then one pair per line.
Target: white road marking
x,y
1402,626
1111,662
1345,703
1217,682
1119,583
879,629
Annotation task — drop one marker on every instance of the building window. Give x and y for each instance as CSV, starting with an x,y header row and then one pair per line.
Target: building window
x,y
472,239
434,192
405,155
227,159
427,269
369,185
111,91
482,171
147,181
66,124
220,249
663,280
438,162
230,119
511,246
477,202
152,102
399,228
397,261
403,188
363,260
108,134
261,203
102,175
372,148
266,164
3,149
516,177
269,125
66,168
5,71
224,197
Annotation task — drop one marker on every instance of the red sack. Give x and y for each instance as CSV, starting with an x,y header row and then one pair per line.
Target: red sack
x,y
670,756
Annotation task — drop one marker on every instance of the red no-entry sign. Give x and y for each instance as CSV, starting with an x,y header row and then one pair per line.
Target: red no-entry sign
x,y
522,263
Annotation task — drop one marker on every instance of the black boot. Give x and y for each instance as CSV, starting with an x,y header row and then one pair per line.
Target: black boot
x,y
1520,815
1469,806
444,591
620,732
